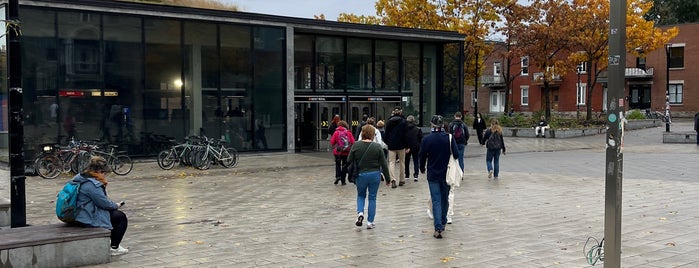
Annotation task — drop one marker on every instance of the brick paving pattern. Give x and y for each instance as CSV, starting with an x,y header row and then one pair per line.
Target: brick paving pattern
x,y
282,210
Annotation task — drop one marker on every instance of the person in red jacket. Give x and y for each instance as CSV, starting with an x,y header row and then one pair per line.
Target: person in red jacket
x,y
341,141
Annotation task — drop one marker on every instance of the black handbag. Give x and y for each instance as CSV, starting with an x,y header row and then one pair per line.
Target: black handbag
x,y
353,168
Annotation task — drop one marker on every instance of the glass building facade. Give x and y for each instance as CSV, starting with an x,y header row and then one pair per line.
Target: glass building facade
x,y
148,72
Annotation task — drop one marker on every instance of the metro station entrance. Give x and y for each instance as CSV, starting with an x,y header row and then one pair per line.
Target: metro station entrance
x,y
313,114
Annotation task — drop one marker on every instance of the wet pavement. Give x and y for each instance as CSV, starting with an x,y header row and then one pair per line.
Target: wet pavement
x,y
282,210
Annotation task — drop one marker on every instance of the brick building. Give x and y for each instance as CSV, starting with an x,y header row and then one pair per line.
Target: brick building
x,y
646,82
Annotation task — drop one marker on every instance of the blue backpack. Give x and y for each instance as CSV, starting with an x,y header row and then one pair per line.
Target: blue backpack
x,y
67,202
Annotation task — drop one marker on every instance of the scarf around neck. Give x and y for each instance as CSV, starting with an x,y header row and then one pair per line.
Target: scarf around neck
x,y
99,177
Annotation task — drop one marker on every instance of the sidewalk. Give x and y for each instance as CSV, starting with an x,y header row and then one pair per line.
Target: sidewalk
x,y
282,210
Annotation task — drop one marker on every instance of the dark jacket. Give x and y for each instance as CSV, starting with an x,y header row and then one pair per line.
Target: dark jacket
x,y
93,204
479,125
413,137
395,133
696,122
542,123
486,136
434,153
374,159
466,135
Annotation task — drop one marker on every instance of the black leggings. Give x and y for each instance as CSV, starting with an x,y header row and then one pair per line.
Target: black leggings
x,y
119,224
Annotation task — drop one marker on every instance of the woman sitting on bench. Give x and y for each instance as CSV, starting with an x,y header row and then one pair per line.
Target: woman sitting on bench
x,y
95,208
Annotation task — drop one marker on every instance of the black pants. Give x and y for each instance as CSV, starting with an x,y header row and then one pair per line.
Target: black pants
x,y
416,163
340,171
119,224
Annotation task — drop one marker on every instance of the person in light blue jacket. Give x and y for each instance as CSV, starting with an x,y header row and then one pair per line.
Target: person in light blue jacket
x,y
95,209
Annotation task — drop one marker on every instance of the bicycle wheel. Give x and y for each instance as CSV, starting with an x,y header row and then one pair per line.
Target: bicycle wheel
x,y
201,159
229,158
121,164
48,166
166,159
80,162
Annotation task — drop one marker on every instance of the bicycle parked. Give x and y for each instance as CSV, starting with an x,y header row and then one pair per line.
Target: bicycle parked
x,y
199,152
180,153
55,160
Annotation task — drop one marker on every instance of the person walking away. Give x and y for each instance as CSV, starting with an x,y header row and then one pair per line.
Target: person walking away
x,y
395,139
94,207
358,130
372,163
414,136
434,158
459,131
495,143
333,125
341,141
377,138
380,125
696,126
479,126
543,126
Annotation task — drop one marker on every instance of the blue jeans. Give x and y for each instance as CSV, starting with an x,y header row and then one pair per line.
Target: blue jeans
x,y
493,155
439,192
461,148
368,180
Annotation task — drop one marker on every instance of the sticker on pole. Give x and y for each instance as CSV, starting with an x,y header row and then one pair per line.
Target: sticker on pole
x,y
612,118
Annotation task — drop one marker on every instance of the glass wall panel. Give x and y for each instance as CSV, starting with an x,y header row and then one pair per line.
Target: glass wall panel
x,y
303,62
3,83
270,102
360,74
429,78
330,71
202,79
236,84
80,76
411,78
450,95
163,108
122,102
386,66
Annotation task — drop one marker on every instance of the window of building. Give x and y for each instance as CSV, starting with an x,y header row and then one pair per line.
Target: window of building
x,y
303,62
473,98
581,94
525,95
676,93
583,67
524,65
677,56
386,65
360,71
330,66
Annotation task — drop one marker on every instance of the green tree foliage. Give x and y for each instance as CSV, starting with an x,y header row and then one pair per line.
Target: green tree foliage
x,y
666,12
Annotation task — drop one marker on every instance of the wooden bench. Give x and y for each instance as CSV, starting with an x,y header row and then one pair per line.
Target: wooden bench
x,y
53,245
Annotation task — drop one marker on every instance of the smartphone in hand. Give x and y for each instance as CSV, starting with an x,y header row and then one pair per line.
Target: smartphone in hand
x,y
122,203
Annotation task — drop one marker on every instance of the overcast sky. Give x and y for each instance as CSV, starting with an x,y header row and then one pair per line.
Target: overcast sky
x,y
306,8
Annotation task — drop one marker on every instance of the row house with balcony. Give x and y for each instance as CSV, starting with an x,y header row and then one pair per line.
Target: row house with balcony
x,y
645,87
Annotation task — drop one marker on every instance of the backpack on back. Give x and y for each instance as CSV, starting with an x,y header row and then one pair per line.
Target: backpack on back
x,y
494,141
67,202
343,142
457,129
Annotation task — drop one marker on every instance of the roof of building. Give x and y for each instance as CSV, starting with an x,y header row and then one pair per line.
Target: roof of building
x,y
300,25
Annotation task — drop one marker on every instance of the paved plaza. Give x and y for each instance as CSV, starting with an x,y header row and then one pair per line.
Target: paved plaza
x,y
282,210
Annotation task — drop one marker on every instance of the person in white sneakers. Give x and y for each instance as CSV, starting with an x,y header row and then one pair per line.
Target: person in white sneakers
x,y
95,208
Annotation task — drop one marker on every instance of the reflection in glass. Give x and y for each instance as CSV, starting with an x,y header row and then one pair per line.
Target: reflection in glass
x,y
236,84
411,79
269,125
303,62
330,73
386,66
360,74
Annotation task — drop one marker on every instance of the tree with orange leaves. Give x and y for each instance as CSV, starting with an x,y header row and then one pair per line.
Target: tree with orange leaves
x,y
591,38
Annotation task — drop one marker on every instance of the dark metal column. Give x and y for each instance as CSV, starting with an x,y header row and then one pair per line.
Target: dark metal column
x,y
615,157
17,190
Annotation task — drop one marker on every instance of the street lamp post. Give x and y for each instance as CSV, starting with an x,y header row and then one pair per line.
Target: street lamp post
x,y
577,91
668,48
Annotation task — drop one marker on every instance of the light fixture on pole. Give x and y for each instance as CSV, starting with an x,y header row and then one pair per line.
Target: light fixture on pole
x,y
578,91
668,49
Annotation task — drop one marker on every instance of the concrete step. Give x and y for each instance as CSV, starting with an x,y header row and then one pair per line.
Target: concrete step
x,y
4,212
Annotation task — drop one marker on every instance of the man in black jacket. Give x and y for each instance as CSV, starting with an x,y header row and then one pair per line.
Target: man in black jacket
x,y
696,126
414,137
397,146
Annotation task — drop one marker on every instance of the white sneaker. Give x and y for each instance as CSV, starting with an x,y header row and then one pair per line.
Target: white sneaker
x,y
490,174
429,214
448,220
118,251
370,225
